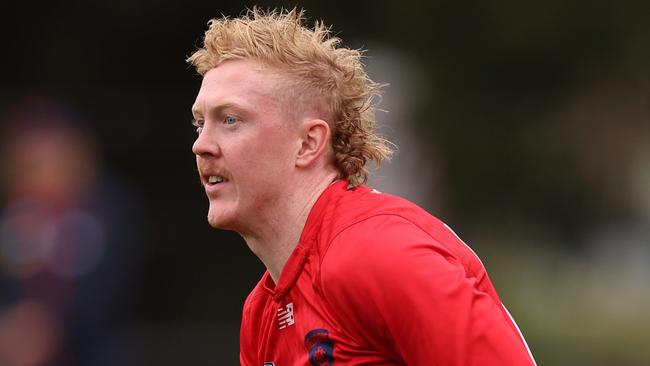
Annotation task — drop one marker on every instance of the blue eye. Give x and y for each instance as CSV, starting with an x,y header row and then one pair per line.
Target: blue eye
x,y
198,124
230,120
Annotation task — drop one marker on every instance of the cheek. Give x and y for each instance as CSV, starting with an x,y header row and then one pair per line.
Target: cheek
x,y
278,160
262,158
273,150
264,170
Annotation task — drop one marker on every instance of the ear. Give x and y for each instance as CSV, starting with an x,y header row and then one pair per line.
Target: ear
x,y
315,142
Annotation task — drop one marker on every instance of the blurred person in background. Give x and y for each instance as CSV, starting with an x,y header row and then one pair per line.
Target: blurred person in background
x,y
67,242
285,122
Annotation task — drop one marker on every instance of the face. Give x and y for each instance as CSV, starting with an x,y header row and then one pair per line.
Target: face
x,y
246,147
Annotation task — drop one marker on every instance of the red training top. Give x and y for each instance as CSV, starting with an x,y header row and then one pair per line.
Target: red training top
x,y
376,280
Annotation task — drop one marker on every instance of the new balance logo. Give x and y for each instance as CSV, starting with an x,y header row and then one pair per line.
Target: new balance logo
x,y
285,316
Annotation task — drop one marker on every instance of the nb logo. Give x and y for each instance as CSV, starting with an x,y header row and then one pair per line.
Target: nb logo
x,y
285,316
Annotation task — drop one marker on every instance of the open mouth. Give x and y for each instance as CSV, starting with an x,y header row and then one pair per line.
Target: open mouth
x,y
215,179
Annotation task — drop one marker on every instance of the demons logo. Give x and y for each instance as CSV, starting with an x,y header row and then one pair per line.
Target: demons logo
x,y
321,348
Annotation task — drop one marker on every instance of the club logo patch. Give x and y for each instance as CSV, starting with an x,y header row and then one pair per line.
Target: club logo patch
x,y
321,347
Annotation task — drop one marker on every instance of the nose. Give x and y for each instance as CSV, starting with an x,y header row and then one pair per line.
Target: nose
x,y
205,144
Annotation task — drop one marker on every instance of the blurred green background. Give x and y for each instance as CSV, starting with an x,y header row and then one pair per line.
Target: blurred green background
x,y
525,125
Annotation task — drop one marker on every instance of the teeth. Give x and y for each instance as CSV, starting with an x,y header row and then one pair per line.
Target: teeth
x,y
214,179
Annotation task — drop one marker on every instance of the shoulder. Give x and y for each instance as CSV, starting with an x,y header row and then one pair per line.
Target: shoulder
x,y
353,207
380,265
378,238
384,245
366,226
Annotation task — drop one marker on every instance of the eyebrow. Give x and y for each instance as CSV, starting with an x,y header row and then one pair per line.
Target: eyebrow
x,y
218,108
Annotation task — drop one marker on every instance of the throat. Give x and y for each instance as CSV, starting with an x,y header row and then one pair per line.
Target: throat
x,y
275,245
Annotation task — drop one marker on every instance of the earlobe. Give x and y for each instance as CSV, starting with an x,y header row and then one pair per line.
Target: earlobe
x,y
315,140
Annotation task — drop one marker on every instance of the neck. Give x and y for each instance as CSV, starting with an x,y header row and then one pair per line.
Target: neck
x,y
278,231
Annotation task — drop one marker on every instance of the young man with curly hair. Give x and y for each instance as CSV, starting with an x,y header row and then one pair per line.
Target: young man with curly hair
x,y
285,121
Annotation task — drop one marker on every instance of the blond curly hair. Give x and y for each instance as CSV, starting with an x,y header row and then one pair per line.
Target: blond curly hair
x,y
331,76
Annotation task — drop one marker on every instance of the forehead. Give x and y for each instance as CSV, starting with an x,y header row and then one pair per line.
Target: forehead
x,y
242,82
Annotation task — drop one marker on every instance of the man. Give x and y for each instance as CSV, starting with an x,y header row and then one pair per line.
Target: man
x,y
354,277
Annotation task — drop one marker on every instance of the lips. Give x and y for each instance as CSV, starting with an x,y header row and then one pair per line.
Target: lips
x,y
213,184
215,179
212,177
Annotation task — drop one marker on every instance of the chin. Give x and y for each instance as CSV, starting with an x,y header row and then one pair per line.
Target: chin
x,y
214,223
219,220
